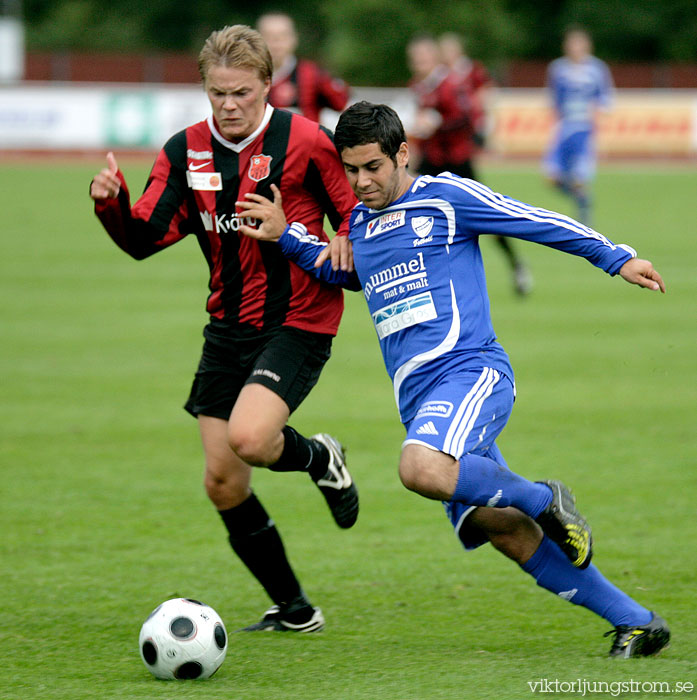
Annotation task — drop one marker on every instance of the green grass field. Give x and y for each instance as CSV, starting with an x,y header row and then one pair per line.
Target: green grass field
x,y
103,514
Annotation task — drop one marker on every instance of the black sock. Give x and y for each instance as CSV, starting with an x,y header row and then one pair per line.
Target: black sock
x,y
301,454
255,540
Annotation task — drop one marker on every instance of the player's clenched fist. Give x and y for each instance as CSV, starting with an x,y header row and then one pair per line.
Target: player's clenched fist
x,y
106,184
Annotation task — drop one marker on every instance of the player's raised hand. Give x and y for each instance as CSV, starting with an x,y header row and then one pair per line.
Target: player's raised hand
x,y
641,272
271,215
340,250
106,184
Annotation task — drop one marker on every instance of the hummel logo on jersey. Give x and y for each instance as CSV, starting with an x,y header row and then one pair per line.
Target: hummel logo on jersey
x,y
427,429
359,218
200,165
410,271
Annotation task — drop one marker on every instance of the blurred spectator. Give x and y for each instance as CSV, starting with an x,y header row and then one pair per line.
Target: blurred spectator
x,y
450,121
442,125
580,85
298,85
474,76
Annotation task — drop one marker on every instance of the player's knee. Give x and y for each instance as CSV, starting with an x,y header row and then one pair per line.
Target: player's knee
x,y
416,474
428,472
249,445
225,490
408,475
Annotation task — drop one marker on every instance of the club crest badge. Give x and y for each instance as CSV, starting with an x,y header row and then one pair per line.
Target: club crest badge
x,y
422,225
259,167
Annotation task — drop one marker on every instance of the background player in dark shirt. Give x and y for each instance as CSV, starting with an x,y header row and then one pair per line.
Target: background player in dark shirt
x,y
298,84
271,324
473,76
449,127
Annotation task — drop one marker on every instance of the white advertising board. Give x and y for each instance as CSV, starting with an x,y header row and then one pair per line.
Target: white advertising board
x,y
65,116
69,117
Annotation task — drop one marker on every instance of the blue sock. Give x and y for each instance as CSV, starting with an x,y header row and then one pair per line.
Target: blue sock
x,y
587,587
484,482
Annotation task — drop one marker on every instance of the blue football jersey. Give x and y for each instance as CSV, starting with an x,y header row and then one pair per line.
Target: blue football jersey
x,y
419,264
578,89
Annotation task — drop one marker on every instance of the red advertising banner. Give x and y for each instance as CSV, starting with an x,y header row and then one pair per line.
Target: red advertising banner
x,y
639,123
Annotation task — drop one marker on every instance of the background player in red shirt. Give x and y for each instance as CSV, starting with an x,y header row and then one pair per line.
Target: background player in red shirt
x,y
298,84
271,324
474,77
450,123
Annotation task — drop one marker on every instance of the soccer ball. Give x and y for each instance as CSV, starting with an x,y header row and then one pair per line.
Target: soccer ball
x,y
183,639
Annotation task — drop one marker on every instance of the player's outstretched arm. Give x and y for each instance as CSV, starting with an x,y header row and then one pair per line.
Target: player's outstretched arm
x,y
273,224
106,184
641,272
301,249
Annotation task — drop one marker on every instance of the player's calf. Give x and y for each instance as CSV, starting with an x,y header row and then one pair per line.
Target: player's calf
x,y
428,472
509,530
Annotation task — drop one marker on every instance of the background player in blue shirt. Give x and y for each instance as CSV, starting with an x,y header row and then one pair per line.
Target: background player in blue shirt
x,y
417,259
580,85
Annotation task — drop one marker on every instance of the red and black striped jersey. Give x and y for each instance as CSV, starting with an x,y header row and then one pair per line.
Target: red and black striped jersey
x,y
306,88
446,93
192,189
475,79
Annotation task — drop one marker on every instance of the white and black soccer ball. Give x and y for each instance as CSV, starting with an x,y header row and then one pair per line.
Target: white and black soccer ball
x,y
183,639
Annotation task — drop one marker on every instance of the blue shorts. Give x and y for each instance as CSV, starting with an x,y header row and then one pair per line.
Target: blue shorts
x,y
464,414
571,157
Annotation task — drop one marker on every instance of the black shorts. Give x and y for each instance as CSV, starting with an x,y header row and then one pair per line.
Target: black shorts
x,y
286,360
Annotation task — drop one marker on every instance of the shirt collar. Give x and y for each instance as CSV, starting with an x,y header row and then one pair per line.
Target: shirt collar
x,y
239,147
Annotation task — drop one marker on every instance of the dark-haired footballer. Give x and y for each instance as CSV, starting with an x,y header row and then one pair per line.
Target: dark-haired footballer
x,y
416,255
